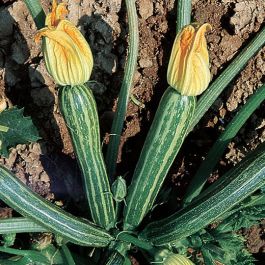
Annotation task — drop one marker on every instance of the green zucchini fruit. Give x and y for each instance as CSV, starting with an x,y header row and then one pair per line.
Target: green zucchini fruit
x,y
79,110
18,196
237,184
165,137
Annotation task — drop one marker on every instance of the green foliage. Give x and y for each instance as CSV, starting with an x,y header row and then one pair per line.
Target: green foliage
x,y
226,248
9,239
15,129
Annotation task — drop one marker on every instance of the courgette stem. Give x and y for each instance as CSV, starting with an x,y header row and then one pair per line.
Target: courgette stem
x,y
213,156
36,12
223,80
68,255
125,237
117,125
18,252
183,13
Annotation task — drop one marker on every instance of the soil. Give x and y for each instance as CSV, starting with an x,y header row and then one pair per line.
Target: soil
x,y
24,82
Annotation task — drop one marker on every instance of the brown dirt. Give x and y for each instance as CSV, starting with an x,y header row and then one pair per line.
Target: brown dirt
x,y
25,82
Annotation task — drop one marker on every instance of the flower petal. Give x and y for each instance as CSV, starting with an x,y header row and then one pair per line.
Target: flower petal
x,y
179,54
59,12
77,38
188,70
200,44
67,55
63,58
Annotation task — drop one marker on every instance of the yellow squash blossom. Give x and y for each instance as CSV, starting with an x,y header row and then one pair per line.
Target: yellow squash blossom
x,y
188,70
67,55
177,259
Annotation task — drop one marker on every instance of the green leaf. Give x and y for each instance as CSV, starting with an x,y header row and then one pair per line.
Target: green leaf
x,y
233,246
218,254
208,259
9,239
15,129
244,258
226,248
243,219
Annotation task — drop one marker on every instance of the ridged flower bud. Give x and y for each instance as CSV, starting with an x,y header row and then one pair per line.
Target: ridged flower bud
x,y
67,55
188,70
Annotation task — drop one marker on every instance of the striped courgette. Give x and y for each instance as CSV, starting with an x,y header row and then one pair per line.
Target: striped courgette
x,y
79,110
234,186
18,196
161,146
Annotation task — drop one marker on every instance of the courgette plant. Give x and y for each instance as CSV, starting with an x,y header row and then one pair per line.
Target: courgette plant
x,y
121,218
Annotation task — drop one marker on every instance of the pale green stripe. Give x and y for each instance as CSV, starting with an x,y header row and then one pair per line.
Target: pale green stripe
x,y
97,170
4,128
